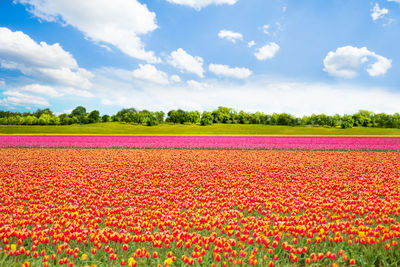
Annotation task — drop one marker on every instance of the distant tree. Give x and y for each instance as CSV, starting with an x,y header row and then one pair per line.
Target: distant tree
x,y
94,116
305,120
243,117
54,120
160,116
121,115
177,116
274,119
284,119
105,118
192,117
347,122
64,119
114,118
28,120
39,112
152,120
44,119
3,120
80,113
206,118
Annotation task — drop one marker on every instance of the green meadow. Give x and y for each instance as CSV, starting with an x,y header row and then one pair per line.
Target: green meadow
x,y
117,128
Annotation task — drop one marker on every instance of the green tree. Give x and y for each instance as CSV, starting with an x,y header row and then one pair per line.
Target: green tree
x,y
44,119
94,116
30,120
160,116
347,122
206,118
39,112
80,113
105,118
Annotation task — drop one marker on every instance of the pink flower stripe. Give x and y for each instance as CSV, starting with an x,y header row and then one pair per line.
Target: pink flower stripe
x,y
226,142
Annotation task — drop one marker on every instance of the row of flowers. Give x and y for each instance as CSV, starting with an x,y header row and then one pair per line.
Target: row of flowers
x,y
225,142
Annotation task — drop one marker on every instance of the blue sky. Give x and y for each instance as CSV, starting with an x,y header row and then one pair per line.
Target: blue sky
x,y
300,57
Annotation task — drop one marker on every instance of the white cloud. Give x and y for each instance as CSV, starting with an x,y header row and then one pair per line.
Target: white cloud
x,y
265,29
79,78
106,102
230,36
199,4
40,60
118,22
251,44
224,70
175,78
181,60
258,93
78,92
15,98
378,13
197,85
17,46
151,73
40,89
346,61
397,1
268,51
2,82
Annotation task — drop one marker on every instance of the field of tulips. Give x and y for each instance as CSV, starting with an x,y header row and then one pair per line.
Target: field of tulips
x,y
225,142
119,207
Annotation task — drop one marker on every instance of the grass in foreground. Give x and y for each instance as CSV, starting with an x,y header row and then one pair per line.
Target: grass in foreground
x,y
115,128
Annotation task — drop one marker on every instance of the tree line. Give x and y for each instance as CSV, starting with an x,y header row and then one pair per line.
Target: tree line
x,y
79,115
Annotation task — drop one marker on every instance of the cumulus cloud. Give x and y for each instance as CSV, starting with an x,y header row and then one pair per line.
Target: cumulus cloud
x,y
378,13
230,36
268,51
15,98
346,62
175,78
78,92
41,60
258,93
119,22
197,85
40,89
224,70
150,73
18,96
185,62
199,4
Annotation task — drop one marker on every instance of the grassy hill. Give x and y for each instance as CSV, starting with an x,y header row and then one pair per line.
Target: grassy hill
x,y
115,128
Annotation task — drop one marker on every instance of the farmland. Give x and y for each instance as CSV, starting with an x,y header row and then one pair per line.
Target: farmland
x,y
198,207
117,128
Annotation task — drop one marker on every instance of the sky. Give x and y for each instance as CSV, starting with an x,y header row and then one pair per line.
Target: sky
x,y
299,57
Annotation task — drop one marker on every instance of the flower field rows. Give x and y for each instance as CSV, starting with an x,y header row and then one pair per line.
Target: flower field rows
x,y
118,207
242,142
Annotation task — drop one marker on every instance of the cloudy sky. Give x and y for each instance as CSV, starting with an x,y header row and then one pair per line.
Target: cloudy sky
x,y
300,57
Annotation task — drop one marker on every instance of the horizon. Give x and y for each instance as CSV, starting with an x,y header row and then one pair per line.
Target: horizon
x,y
267,56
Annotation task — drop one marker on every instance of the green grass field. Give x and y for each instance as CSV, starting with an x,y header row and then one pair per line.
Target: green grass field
x,y
114,128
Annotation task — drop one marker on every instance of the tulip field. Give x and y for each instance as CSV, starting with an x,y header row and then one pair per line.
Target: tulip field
x,y
300,205
208,142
